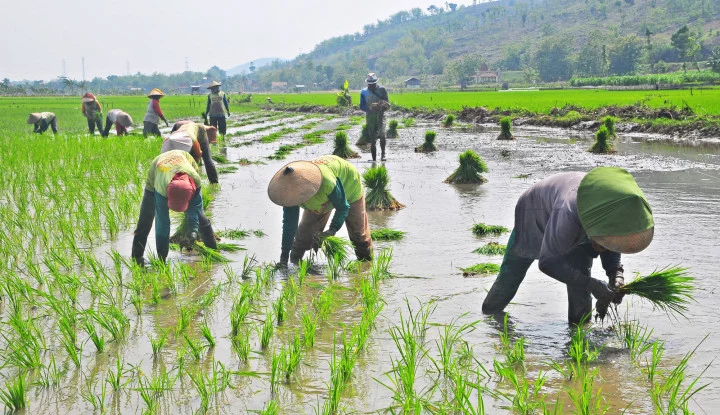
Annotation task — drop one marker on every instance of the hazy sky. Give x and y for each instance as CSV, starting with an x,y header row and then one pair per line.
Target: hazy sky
x,y
157,36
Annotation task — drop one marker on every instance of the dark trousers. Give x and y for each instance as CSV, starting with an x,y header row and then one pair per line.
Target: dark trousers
x,y
375,123
42,126
150,128
219,123
93,122
512,273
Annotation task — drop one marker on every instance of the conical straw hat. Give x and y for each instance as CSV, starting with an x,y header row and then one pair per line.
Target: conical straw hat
x,y
213,84
124,119
34,117
88,97
295,183
156,92
626,244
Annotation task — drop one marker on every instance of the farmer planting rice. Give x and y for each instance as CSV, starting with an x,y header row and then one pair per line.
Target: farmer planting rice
x,y
154,114
43,120
173,183
194,138
92,110
319,186
374,101
565,221
217,106
120,119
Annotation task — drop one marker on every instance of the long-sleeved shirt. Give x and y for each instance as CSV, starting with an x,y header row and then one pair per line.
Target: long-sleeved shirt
x,y
368,97
92,110
192,137
166,165
547,227
154,114
45,121
215,103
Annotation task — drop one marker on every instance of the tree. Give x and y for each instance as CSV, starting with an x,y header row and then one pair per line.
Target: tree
x,y
553,60
625,54
433,9
252,67
713,60
452,6
591,60
685,42
216,73
463,69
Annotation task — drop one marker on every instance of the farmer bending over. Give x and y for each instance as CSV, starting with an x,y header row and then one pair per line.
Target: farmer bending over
x,y
92,110
121,119
214,110
43,120
565,221
374,101
173,183
193,138
319,186
154,114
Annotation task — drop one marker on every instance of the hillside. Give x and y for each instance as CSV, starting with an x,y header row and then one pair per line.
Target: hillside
x,y
245,67
571,37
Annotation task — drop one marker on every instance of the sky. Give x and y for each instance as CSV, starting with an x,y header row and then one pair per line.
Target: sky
x,y
161,36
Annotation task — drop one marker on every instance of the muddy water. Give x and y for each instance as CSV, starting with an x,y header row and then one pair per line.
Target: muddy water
x,y
681,183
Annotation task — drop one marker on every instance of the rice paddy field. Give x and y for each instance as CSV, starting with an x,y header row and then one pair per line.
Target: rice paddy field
x,y
83,330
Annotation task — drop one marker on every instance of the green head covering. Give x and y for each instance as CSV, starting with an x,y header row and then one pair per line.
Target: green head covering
x,y
610,203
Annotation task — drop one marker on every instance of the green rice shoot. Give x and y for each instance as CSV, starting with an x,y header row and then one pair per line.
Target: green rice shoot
x,y
210,254
483,268
378,197
668,289
336,247
236,233
392,129
364,137
386,234
471,165
491,248
481,229
603,142
505,133
342,149
429,145
448,121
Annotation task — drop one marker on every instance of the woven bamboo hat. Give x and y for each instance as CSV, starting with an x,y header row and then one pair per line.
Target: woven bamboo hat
x,y
213,84
124,119
295,183
626,244
88,97
34,117
156,92
372,78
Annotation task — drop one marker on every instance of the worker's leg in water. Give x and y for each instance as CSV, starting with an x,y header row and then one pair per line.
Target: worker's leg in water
x,y
359,230
106,131
53,125
373,149
310,227
207,235
91,125
162,226
214,121
147,216
579,298
222,125
98,122
512,273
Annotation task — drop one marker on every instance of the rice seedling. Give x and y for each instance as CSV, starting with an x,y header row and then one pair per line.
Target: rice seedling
x,y
609,124
294,355
481,229
392,129
471,165
514,350
227,169
450,336
636,338
196,349
448,121
588,401
280,308
378,197
672,394
97,400
484,268
309,323
364,137
505,133
14,394
210,254
50,375
603,142
207,334
408,122
259,233
342,149
272,407
241,345
333,246
266,330
323,303
491,248
380,264
94,336
186,313
157,343
668,289
277,366
367,323
114,378
235,233
429,145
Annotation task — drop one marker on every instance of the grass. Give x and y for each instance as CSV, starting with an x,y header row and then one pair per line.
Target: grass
x,y
505,133
386,234
378,197
471,165
429,145
342,149
491,248
484,268
668,289
481,229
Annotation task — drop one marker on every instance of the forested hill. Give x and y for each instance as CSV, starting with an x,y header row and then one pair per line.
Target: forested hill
x,y
549,39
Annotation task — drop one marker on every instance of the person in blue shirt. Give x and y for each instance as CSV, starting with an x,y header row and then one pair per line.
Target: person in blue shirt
x,y
374,101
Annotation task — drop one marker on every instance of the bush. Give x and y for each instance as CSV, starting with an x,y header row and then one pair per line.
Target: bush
x,y
674,78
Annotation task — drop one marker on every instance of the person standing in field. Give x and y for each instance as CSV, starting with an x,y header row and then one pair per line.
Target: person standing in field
x,y
374,101
217,106
319,186
173,183
566,220
92,110
154,114
121,119
43,120
195,139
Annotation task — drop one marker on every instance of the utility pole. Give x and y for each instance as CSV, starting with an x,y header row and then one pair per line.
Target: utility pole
x,y
83,73
64,68
127,67
187,65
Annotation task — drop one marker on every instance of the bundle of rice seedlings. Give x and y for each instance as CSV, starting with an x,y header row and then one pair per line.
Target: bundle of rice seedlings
x,y
484,268
386,234
364,137
491,248
227,169
429,145
482,229
603,142
609,123
448,121
378,197
392,129
668,289
471,165
219,158
236,233
229,247
336,247
505,133
408,122
209,253
342,149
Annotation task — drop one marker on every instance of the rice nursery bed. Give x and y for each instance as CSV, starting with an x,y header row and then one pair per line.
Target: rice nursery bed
x,y
85,330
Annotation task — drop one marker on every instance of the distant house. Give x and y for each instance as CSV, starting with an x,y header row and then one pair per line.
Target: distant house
x,y
412,83
299,88
487,77
194,89
278,86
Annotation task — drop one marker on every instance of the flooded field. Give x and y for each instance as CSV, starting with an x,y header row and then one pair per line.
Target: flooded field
x,y
189,375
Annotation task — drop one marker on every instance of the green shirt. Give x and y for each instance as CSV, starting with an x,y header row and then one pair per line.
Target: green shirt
x,y
334,168
166,165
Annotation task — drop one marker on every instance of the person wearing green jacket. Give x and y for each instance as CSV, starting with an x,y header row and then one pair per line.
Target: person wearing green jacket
x,y
565,221
320,186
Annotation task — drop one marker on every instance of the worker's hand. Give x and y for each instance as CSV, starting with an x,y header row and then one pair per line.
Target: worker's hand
x,y
616,280
228,114
599,289
601,309
318,240
166,123
192,237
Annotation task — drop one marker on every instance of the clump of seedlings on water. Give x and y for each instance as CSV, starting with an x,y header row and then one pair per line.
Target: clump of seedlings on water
x,y
668,289
609,123
386,234
482,229
505,125
392,129
603,142
342,149
471,167
364,136
378,197
484,268
491,248
429,145
448,121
